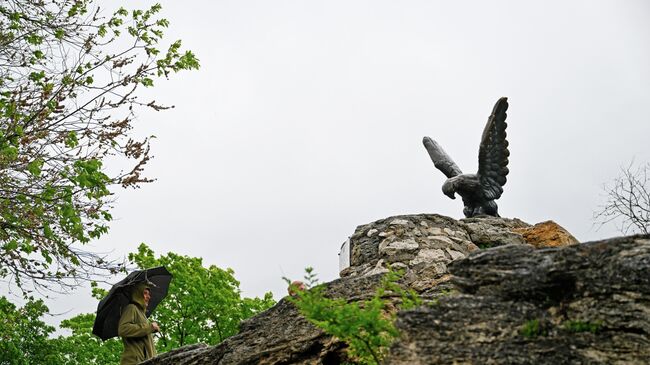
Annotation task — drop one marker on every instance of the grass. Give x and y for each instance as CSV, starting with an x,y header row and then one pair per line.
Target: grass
x,y
582,326
532,329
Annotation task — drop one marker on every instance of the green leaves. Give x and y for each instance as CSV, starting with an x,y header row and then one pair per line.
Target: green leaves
x,y
81,347
583,326
366,326
46,256
174,61
24,335
34,39
97,292
148,82
187,61
37,76
71,140
9,153
88,175
532,329
10,245
78,8
35,166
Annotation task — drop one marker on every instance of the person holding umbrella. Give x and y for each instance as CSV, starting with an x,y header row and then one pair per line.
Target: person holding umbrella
x,y
135,329
124,311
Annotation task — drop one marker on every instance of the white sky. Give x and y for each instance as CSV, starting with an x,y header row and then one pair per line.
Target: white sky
x,y
306,119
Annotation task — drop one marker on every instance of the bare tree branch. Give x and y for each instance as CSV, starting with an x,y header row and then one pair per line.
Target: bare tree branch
x,y
627,201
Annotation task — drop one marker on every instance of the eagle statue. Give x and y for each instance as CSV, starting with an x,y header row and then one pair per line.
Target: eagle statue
x,y
479,191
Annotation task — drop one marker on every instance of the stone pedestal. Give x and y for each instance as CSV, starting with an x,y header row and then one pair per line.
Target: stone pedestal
x,y
424,244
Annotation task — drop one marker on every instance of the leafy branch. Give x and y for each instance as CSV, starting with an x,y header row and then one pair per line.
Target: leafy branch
x,y
366,326
69,82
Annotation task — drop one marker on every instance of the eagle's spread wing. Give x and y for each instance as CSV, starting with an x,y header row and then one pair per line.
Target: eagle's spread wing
x,y
440,159
493,153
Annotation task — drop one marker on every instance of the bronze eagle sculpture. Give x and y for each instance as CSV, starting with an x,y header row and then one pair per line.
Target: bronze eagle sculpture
x,y
479,191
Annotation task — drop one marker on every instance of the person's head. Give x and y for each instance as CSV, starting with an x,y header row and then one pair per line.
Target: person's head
x,y
295,287
147,296
141,294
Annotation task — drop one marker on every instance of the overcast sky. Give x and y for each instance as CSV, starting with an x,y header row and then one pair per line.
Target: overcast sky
x,y
306,120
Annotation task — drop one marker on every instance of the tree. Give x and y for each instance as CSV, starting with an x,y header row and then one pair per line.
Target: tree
x,y
69,85
23,335
25,338
202,305
82,347
628,201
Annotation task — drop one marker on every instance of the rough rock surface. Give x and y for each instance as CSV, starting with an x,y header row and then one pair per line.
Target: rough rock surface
x,y
488,232
591,302
581,304
420,244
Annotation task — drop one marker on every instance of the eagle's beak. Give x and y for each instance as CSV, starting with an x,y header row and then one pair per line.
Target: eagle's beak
x,y
448,188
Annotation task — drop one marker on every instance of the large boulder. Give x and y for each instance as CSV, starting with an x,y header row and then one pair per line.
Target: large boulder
x,y
582,304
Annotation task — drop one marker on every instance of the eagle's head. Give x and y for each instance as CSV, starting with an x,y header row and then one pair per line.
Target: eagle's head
x,y
449,188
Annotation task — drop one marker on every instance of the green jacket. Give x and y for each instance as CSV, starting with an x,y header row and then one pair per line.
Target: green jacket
x,y
136,333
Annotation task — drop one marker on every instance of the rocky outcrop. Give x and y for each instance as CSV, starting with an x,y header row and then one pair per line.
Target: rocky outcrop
x,y
583,304
510,304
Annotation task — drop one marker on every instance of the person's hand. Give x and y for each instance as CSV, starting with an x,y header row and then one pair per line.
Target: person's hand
x,y
155,327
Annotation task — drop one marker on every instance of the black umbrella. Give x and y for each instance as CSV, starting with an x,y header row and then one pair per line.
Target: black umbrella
x,y
110,308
